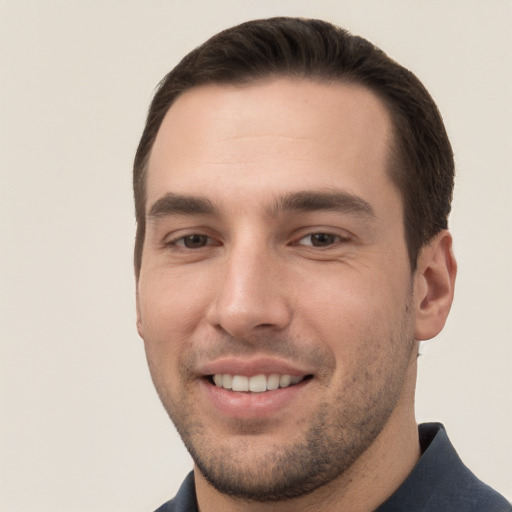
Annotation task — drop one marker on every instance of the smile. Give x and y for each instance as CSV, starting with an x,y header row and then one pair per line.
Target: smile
x,y
256,383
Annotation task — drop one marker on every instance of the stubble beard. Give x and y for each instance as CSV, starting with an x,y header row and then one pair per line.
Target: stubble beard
x,y
330,445
282,473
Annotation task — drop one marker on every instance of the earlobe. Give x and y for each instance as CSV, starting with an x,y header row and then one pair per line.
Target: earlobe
x,y
434,285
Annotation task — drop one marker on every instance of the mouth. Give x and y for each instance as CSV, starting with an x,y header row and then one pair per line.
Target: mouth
x,y
258,388
256,383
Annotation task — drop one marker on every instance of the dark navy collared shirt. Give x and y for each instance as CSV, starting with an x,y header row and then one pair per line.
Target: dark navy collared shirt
x,y
439,483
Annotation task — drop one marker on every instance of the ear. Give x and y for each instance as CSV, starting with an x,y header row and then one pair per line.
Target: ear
x,y
434,285
140,330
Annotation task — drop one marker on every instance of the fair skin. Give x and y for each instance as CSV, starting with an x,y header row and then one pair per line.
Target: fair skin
x,y
275,246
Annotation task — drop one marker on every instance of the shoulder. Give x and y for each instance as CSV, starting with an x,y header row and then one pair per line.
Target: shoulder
x,y
456,484
441,482
185,500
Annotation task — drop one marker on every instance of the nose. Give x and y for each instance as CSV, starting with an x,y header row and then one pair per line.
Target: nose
x,y
251,293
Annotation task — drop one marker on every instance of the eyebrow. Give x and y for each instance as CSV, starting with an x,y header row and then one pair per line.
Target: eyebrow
x,y
335,200
302,201
177,204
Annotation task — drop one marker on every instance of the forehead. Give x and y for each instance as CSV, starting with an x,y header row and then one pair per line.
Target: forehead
x,y
290,132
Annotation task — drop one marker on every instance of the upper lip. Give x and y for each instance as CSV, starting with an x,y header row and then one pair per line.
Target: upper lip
x,y
250,367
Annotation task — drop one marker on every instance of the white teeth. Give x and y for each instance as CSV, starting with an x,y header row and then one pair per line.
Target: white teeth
x,y
256,383
240,383
273,382
227,381
285,381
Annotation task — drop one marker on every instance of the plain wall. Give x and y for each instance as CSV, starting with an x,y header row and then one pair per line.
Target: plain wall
x,y
81,426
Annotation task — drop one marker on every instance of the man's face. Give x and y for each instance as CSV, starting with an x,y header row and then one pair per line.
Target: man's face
x,y
275,256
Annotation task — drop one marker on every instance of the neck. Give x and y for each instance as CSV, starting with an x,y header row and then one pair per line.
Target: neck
x,y
373,478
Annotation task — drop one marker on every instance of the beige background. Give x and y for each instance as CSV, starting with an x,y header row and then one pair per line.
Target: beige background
x,y
81,427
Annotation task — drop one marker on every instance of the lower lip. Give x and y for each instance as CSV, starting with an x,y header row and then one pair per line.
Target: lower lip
x,y
252,405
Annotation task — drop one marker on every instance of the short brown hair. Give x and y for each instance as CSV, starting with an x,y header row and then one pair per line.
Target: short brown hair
x,y
422,164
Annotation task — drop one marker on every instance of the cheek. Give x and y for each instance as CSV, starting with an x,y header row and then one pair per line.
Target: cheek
x,y
354,312
348,296
168,313
169,306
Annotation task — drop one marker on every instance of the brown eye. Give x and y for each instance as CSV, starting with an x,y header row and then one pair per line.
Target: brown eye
x,y
194,241
323,239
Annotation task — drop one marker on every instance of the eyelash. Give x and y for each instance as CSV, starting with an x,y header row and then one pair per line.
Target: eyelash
x,y
334,238
205,240
182,241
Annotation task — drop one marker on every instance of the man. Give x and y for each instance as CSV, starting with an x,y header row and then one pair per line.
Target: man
x,y
292,188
